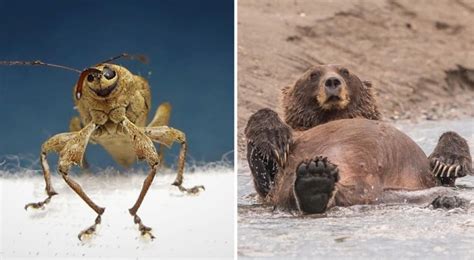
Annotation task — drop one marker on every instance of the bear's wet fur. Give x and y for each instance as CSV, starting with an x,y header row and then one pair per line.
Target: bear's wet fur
x,y
309,102
331,116
370,157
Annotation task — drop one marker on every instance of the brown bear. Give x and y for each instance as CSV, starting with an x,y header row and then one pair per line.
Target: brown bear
x,y
333,149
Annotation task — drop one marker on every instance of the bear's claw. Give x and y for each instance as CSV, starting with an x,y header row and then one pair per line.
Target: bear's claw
x,y
441,169
315,184
282,154
447,170
450,159
263,169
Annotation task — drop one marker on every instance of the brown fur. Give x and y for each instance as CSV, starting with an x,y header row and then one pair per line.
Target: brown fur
x,y
330,112
264,123
372,156
306,105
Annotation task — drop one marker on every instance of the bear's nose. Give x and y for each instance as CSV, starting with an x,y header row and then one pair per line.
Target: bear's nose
x,y
332,83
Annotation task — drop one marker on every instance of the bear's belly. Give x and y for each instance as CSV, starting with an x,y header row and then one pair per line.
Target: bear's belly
x,y
372,156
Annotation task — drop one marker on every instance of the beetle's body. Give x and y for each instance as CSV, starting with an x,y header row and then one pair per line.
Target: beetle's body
x,y
113,106
132,100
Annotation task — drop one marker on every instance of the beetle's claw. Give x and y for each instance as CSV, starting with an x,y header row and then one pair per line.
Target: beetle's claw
x,y
35,205
194,190
41,204
87,233
144,230
90,231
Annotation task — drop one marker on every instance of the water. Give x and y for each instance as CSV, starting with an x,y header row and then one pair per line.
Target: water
x,y
377,231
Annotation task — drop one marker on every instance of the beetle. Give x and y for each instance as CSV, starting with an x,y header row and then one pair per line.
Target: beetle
x,y
113,106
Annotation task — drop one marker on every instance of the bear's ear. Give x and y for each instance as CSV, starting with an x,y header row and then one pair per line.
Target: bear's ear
x,y
285,96
367,84
285,90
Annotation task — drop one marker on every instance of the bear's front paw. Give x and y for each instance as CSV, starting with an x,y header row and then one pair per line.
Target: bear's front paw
x,y
274,144
448,167
269,136
451,158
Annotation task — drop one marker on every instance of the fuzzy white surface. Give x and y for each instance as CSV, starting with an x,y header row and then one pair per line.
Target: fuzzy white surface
x,y
185,226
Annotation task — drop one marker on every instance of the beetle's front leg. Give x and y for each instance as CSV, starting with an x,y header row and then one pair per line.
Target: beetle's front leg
x,y
53,144
70,155
75,125
145,150
161,118
167,136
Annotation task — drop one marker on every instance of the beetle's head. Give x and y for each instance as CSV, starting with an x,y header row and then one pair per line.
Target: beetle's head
x,y
101,81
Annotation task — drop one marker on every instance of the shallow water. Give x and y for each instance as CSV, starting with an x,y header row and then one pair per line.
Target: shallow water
x,y
184,225
397,230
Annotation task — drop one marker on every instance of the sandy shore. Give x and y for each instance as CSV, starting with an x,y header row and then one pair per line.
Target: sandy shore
x,y
410,50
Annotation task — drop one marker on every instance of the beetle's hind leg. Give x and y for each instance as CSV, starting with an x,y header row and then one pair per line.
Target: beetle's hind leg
x,y
54,144
166,136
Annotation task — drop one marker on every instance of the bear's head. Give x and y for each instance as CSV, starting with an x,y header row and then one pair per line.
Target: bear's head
x,y
325,93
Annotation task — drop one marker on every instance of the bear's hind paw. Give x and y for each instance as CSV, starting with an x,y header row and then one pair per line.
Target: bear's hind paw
x,y
315,184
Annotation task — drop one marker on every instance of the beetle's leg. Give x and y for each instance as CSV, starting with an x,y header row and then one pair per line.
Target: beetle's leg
x,y
167,136
133,211
162,115
161,118
75,125
72,154
53,144
145,150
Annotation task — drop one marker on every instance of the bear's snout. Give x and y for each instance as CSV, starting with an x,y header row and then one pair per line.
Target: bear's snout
x,y
332,87
332,82
332,91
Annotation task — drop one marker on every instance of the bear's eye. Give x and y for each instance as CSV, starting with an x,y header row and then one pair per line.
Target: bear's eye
x,y
314,75
344,72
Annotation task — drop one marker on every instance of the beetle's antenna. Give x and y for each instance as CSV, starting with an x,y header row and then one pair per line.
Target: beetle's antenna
x,y
83,75
141,58
38,63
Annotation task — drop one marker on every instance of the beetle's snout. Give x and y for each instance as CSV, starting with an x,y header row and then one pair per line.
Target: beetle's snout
x,y
93,74
91,77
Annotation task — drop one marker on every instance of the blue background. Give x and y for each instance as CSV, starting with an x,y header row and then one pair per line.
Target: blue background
x,y
189,43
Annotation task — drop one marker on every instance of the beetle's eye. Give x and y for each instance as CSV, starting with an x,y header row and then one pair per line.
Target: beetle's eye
x,y
344,72
108,73
90,77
